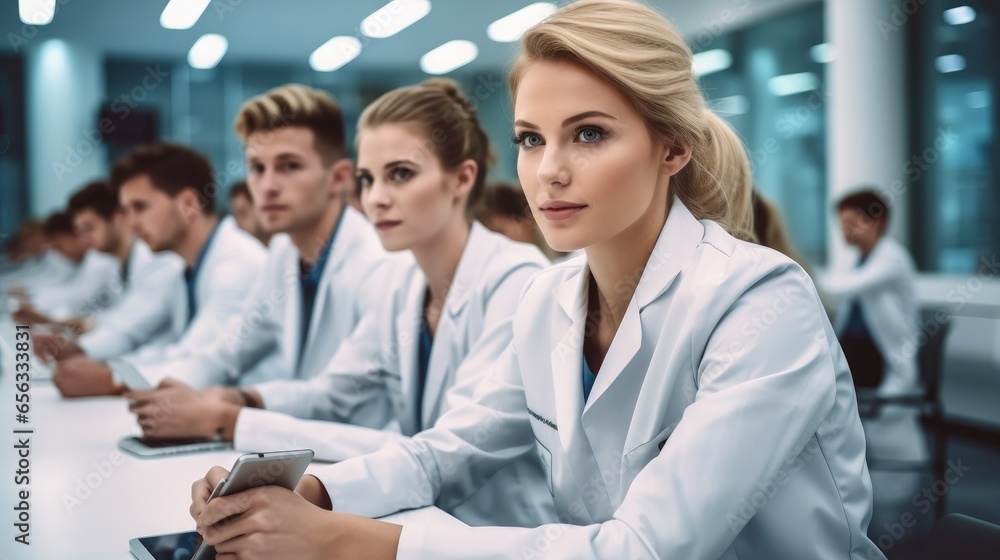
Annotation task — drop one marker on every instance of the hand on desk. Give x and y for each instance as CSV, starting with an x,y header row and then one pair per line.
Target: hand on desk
x,y
79,376
29,315
174,409
276,523
55,346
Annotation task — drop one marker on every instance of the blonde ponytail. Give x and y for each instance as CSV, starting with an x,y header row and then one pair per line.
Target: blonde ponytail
x,y
716,184
637,51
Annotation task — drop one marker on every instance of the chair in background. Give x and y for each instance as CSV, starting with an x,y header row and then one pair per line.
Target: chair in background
x,y
958,536
927,404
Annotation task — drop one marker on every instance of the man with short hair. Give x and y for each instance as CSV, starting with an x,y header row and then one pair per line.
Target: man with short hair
x,y
168,194
877,319
142,316
322,276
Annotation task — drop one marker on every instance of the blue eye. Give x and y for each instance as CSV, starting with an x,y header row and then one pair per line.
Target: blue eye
x,y
590,135
528,140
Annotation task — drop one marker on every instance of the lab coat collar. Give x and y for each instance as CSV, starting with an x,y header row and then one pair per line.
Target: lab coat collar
x,y
677,241
476,254
342,243
345,239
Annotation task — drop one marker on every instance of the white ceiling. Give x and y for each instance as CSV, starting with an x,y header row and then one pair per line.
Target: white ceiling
x,y
287,31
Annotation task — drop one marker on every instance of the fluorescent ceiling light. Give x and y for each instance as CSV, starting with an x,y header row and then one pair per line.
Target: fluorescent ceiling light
x,y
207,51
822,53
36,12
732,105
335,53
394,17
790,84
510,27
950,63
708,62
183,14
977,99
960,15
449,56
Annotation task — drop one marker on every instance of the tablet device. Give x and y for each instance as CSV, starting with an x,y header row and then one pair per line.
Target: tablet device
x,y
129,375
145,448
175,546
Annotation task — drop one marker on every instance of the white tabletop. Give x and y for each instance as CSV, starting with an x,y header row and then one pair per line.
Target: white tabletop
x,y
87,498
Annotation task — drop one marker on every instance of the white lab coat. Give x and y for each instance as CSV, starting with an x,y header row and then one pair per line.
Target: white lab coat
x,y
884,286
231,265
143,315
50,267
263,342
472,332
722,423
94,284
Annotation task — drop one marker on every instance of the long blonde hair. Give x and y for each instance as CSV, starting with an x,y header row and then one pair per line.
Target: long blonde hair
x,y
635,49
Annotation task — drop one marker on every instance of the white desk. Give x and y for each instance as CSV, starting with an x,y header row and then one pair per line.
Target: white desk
x,y
87,497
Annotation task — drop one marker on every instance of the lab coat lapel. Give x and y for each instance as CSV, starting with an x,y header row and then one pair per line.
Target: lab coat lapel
x,y
476,254
567,357
675,244
340,252
293,310
567,364
408,338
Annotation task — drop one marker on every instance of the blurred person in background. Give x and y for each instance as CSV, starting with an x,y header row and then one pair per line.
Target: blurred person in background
x,y
769,228
168,195
58,293
504,209
142,315
320,281
876,299
241,207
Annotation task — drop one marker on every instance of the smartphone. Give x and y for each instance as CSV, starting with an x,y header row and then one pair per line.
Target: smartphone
x,y
279,468
130,376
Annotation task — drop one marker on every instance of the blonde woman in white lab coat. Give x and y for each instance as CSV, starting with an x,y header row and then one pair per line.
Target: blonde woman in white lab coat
x,y
721,421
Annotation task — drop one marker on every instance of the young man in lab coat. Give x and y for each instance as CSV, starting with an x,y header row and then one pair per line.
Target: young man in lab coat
x,y
877,321
320,278
83,283
168,194
142,314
